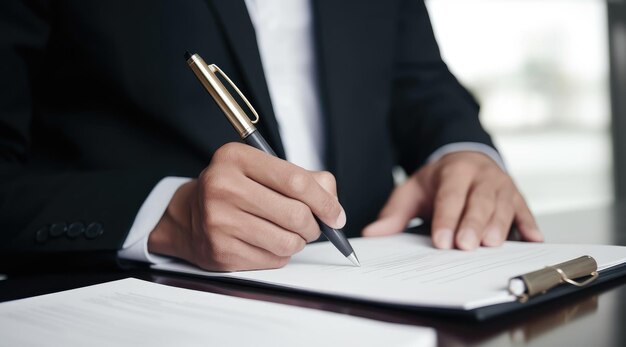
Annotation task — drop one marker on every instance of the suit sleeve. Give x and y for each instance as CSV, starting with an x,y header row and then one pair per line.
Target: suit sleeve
x,y
51,217
430,107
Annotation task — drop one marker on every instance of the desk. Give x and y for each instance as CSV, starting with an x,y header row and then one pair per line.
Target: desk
x,y
593,318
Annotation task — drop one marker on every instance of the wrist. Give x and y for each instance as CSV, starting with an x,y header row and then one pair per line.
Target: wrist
x,y
169,237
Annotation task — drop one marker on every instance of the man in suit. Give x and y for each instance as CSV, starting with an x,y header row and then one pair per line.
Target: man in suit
x,y
110,148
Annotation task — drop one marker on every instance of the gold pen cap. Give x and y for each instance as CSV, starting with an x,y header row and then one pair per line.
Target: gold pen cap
x,y
207,75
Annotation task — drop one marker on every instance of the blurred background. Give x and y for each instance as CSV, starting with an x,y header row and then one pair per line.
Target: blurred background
x,y
541,70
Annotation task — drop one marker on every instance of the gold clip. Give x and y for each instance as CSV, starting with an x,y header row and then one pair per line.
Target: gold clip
x,y
541,281
566,279
215,68
208,75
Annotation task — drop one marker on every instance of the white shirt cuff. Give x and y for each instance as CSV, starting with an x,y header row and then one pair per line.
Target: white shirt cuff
x,y
136,244
467,146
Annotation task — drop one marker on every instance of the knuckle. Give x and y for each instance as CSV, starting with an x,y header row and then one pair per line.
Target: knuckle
x,y
219,187
455,168
297,217
211,180
509,182
230,152
204,174
481,204
289,245
219,226
299,182
212,221
279,262
504,205
444,197
205,178
500,179
473,220
502,220
518,200
216,190
507,193
447,171
483,196
313,234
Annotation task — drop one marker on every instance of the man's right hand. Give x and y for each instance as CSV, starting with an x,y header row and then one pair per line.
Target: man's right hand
x,y
247,210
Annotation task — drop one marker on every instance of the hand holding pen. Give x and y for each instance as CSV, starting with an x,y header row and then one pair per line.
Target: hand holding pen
x,y
247,210
207,75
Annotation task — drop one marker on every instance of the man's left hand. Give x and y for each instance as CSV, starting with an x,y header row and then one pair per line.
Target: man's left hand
x,y
472,202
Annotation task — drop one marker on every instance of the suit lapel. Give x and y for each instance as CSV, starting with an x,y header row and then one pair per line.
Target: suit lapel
x,y
242,39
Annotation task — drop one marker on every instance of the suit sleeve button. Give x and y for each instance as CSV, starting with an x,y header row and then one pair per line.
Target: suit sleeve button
x,y
75,229
42,234
94,230
58,229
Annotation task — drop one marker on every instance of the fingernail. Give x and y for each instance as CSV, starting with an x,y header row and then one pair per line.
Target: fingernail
x,y
493,238
341,220
467,239
443,238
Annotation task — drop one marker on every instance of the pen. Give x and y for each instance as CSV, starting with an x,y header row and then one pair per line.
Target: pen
x,y
249,134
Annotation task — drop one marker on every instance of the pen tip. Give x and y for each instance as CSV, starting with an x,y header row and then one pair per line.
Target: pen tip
x,y
187,56
352,257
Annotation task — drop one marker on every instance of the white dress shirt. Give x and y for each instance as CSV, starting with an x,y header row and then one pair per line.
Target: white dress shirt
x,y
285,39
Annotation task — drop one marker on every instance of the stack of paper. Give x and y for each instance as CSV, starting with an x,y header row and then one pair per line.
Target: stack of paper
x,y
132,312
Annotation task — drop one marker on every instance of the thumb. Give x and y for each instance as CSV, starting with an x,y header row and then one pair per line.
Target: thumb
x,y
402,206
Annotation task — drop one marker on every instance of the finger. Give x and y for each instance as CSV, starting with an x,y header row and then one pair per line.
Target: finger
x,y
448,206
284,212
326,180
268,236
402,206
500,222
249,257
525,221
287,179
478,210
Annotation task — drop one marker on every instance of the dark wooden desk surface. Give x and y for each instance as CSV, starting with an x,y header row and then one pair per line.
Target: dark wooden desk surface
x,y
595,317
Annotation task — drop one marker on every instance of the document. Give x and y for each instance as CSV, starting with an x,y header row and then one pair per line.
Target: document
x,y
406,270
133,312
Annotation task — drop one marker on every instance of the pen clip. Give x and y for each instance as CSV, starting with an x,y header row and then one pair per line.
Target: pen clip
x,y
214,68
578,272
566,279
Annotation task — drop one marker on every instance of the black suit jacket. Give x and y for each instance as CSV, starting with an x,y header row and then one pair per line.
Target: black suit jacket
x,y
97,105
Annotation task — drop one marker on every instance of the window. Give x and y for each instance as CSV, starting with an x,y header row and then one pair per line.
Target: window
x,y
539,69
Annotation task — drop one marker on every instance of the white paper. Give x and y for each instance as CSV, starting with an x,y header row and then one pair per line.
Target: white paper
x,y
405,269
132,312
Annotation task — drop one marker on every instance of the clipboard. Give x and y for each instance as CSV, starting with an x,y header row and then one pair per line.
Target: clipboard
x,y
479,314
405,272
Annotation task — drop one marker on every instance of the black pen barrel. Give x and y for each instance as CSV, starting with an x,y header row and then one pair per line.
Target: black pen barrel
x,y
257,141
336,237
